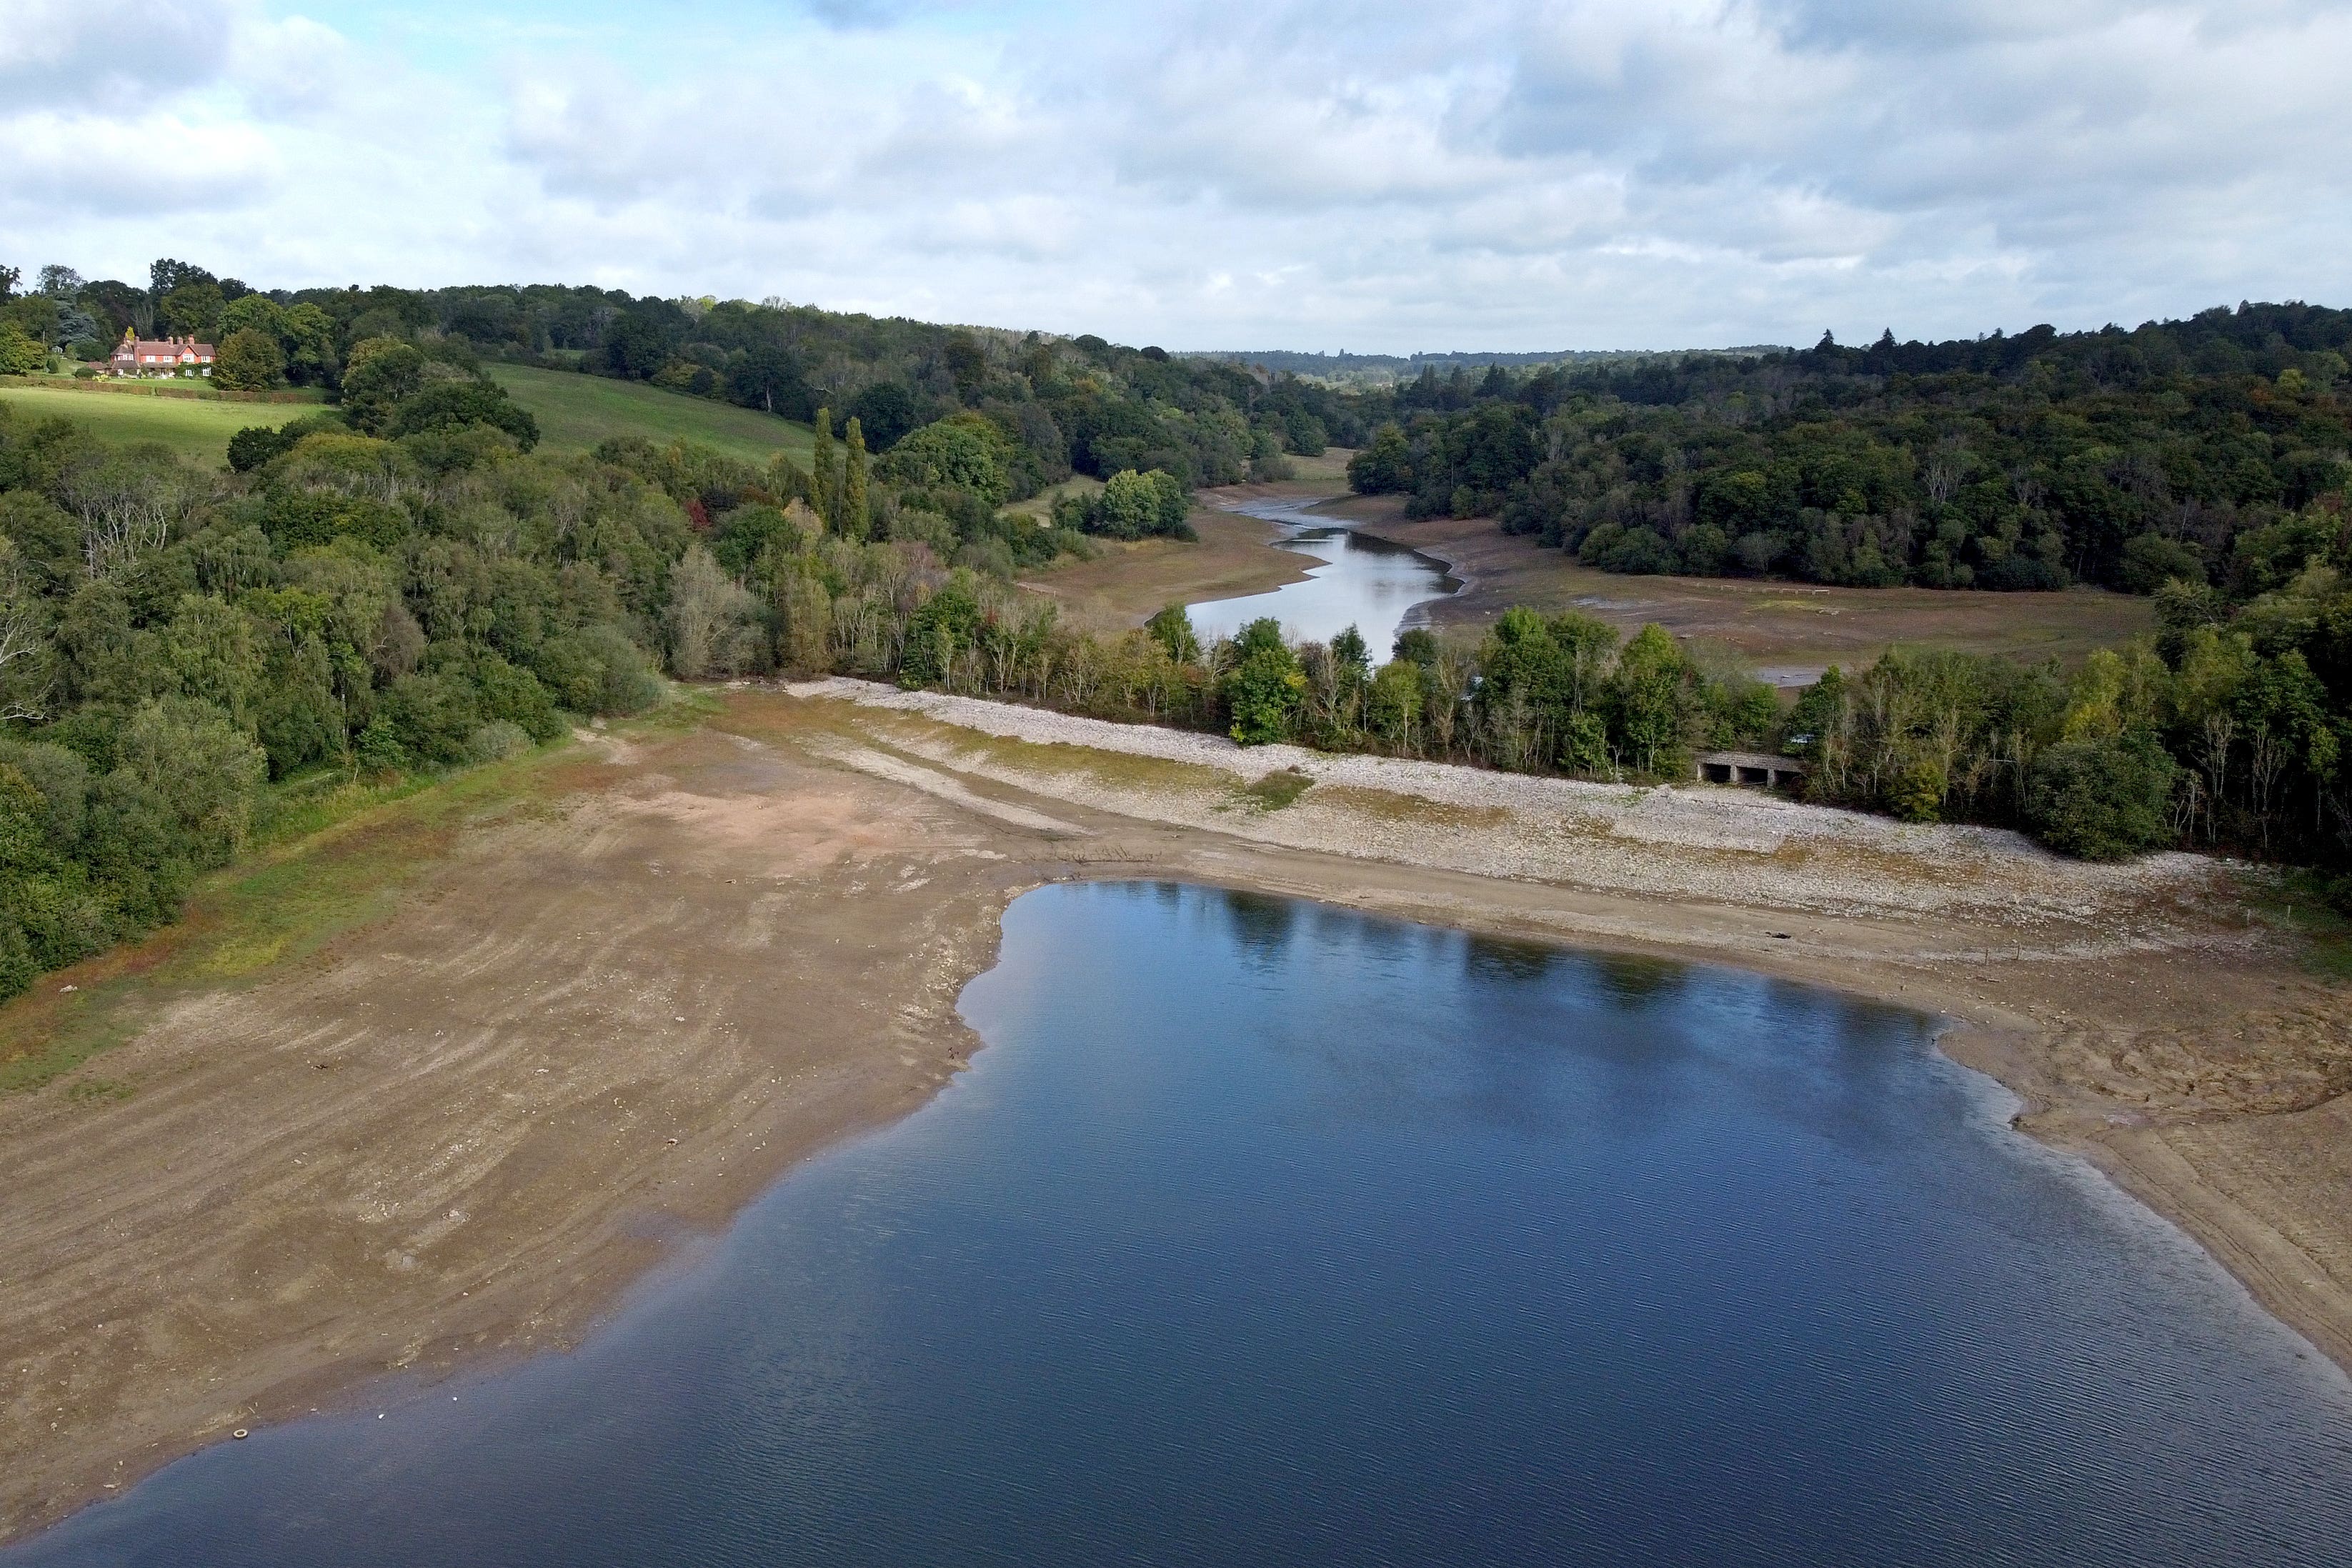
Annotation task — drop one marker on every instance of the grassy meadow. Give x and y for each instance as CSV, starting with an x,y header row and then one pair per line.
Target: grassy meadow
x,y
577,412
195,427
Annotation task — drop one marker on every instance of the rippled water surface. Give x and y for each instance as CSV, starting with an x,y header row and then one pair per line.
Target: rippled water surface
x,y
1369,583
1269,1234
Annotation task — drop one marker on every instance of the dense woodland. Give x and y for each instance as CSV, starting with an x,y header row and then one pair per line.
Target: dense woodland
x,y
2118,458
402,580
2202,461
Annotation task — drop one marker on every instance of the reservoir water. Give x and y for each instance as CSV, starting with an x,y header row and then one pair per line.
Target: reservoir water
x,y
1365,582
1265,1233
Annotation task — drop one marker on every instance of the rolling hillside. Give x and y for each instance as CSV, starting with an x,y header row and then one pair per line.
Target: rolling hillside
x,y
574,411
577,410
196,428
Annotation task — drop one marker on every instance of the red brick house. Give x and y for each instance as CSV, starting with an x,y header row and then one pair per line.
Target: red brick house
x,y
159,356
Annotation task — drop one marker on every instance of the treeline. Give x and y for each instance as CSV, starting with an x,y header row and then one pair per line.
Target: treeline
x,y
173,641
2231,728
1060,406
1417,379
2120,458
1063,406
2219,736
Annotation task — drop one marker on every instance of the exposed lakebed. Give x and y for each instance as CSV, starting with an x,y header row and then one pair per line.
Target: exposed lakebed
x,y
1266,1232
1362,581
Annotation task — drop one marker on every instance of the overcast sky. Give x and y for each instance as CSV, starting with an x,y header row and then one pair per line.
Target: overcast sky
x,y
1216,174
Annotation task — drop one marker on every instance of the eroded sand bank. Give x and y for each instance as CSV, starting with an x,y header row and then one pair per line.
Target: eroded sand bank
x,y
600,1027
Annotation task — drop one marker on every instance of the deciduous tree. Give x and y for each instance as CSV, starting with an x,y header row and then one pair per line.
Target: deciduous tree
x,y
248,360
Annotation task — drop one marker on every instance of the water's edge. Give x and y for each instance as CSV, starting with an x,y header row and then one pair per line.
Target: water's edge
x,y
2003,1100
1293,518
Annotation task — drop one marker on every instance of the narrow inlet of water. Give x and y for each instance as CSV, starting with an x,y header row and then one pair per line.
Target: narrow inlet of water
x,y
1268,1233
1369,583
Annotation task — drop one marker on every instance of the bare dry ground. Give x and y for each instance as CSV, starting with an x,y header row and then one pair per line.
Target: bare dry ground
x,y
1790,629
602,1020
1129,582
630,983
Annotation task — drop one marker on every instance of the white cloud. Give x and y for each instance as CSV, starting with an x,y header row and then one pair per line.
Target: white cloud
x,y
56,51
158,163
1518,173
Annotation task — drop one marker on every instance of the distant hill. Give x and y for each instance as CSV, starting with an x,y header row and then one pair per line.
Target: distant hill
x,y
1345,368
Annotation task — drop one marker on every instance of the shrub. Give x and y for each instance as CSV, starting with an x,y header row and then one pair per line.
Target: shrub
x,y
2151,560
431,716
248,361
989,557
1131,506
515,696
459,405
963,452
596,670
1917,793
495,741
941,628
1266,687
17,969
2102,799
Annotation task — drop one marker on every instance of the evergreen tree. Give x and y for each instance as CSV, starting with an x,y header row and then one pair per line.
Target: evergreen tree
x,y
820,470
853,482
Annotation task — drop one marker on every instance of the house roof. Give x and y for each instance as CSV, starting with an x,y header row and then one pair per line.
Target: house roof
x,y
153,351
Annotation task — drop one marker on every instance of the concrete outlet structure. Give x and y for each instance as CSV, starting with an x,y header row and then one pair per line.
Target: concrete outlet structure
x,y
1753,768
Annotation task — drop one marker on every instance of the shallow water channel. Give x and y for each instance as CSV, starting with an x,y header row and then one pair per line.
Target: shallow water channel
x,y
1369,583
1266,1233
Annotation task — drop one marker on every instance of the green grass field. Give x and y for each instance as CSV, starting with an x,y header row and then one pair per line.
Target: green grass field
x,y
1041,505
575,413
197,428
575,410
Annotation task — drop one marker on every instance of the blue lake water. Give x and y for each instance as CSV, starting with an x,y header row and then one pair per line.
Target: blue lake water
x,y
1265,1233
1369,583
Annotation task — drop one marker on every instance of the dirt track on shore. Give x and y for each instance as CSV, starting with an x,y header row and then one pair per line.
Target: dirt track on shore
x,y
600,1025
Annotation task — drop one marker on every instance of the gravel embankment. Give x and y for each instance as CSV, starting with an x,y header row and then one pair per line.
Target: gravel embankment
x,y
1694,841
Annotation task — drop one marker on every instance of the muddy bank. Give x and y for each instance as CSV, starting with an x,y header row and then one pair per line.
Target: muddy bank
x,y
1790,629
1127,583
611,1015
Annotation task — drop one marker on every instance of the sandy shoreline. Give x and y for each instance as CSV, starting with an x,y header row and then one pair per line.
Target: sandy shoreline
x,y
459,1133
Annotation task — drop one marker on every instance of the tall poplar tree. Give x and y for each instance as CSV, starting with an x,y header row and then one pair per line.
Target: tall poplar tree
x,y
827,504
854,517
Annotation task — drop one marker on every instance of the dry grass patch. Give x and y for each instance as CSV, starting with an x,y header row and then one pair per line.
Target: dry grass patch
x,y
1057,759
1410,810
336,859
1273,792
